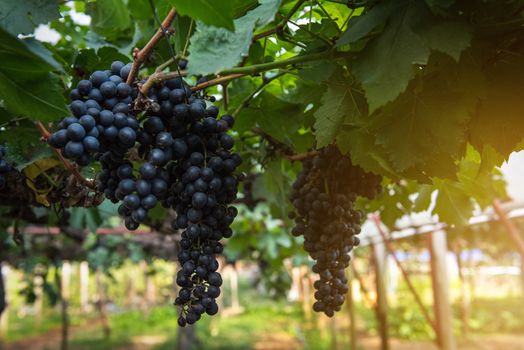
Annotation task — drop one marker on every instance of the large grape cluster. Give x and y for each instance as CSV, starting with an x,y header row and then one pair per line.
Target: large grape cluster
x,y
187,164
5,167
323,195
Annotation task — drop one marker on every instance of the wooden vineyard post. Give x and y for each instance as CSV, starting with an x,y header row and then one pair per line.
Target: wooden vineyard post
x,y
306,293
441,303
350,305
379,262
514,234
64,307
101,304
84,286
39,301
464,295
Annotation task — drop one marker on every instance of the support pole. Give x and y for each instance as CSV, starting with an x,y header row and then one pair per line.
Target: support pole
x,y
235,300
351,313
379,262
64,307
101,304
391,251
464,295
441,303
84,286
514,233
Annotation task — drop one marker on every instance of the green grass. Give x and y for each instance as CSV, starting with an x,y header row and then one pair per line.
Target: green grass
x,y
264,318
160,321
25,327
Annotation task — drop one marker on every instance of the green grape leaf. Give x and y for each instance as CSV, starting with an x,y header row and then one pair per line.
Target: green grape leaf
x,y
41,99
386,65
213,49
273,186
266,112
338,106
477,177
109,18
212,13
21,17
428,120
453,205
503,98
423,200
360,144
24,59
360,26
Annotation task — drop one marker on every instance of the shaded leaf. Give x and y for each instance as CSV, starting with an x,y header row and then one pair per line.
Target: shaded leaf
x,y
109,18
213,49
338,106
386,65
21,17
453,205
212,13
39,99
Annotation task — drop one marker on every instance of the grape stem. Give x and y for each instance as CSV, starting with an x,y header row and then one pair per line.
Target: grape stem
x,y
139,56
157,77
67,164
217,81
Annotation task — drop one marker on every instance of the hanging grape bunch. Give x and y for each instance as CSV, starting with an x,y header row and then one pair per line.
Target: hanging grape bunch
x,y
323,196
185,163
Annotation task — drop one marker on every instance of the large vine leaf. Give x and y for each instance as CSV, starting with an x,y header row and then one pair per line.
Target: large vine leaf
x,y
453,205
499,119
267,113
360,26
40,99
428,121
386,65
212,13
478,178
21,17
24,59
338,106
213,49
364,152
109,18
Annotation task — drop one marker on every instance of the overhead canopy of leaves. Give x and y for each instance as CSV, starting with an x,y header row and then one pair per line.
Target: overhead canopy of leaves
x,y
416,91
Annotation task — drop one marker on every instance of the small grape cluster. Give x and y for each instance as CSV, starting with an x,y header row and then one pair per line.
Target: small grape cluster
x,y
5,167
323,195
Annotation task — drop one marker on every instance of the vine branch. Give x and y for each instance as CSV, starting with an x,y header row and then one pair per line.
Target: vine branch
x,y
217,81
139,56
257,68
67,164
301,156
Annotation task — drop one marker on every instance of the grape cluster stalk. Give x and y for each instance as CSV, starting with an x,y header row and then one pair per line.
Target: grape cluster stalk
x,y
323,196
185,163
